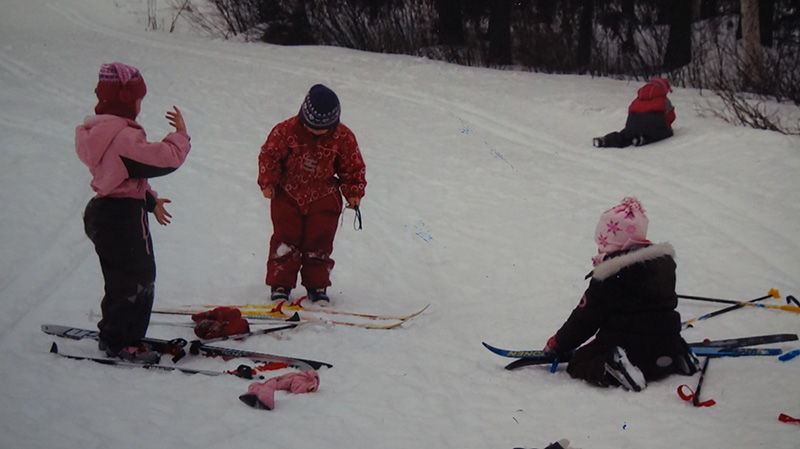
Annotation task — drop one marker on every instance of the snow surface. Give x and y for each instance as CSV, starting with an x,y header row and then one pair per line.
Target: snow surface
x,y
483,196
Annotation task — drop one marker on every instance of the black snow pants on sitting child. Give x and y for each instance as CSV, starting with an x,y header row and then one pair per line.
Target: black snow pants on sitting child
x,y
120,231
645,128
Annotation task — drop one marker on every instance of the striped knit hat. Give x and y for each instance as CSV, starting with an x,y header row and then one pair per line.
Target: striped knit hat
x,y
320,109
119,87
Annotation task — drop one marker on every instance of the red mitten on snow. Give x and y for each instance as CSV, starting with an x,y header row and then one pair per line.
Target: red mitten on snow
x,y
210,329
222,313
236,327
220,322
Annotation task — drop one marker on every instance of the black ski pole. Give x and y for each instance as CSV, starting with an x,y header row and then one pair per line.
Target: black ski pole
x,y
696,399
773,293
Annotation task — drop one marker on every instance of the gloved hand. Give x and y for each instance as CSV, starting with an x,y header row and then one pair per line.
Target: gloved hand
x,y
551,347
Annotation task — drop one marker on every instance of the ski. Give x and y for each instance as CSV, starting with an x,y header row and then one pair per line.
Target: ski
x,y
746,341
726,343
297,305
710,349
169,347
549,359
277,312
243,371
231,353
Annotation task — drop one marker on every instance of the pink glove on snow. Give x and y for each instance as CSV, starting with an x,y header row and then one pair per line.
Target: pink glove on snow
x,y
262,394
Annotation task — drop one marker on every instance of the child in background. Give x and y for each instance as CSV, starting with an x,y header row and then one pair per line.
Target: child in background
x,y
305,167
120,159
629,308
650,118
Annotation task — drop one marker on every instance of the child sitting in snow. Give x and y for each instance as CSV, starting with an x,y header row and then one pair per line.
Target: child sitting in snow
x,y
629,307
650,118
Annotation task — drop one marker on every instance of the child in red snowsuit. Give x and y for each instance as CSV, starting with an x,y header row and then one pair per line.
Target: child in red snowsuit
x,y
305,167
650,118
120,159
629,309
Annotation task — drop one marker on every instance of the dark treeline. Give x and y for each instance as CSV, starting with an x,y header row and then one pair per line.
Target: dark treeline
x,y
697,43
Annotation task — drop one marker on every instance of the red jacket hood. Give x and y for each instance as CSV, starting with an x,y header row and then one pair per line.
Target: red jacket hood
x,y
656,87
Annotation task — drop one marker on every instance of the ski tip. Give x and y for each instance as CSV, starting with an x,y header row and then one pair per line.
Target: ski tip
x,y
789,355
54,348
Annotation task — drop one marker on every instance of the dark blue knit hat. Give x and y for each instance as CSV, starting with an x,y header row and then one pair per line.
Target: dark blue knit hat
x,y
320,109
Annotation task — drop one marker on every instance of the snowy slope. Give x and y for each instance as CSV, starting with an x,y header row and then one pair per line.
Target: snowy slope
x,y
483,196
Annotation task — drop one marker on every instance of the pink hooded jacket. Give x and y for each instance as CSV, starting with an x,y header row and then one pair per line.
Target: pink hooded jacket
x,y
121,159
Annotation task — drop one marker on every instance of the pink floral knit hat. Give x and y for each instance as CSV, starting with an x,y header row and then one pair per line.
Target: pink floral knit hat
x,y
620,227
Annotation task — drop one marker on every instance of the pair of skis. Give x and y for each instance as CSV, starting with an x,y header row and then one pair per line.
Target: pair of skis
x,y
285,310
734,347
177,349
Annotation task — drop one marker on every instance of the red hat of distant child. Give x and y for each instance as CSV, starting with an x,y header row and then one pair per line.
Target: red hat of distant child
x,y
119,87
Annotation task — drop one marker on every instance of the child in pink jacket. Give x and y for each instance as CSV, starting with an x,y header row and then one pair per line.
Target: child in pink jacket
x,y
121,160
308,163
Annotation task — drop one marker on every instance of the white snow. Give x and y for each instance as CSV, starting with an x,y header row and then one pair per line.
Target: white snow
x,y
484,191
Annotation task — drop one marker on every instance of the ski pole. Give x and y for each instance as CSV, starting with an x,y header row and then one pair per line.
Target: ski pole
x,y
696,399
694,396
773,293
739,305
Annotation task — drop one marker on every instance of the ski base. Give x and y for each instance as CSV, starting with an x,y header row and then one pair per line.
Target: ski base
x,y
243,371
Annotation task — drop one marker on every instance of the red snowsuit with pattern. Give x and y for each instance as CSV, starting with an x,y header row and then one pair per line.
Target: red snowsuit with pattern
x,y
310,174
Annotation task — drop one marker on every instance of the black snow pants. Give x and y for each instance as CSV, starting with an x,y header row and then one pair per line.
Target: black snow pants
x,y
651,126
120,231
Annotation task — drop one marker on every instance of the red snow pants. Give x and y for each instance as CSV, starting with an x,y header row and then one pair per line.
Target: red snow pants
x,y
302,241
